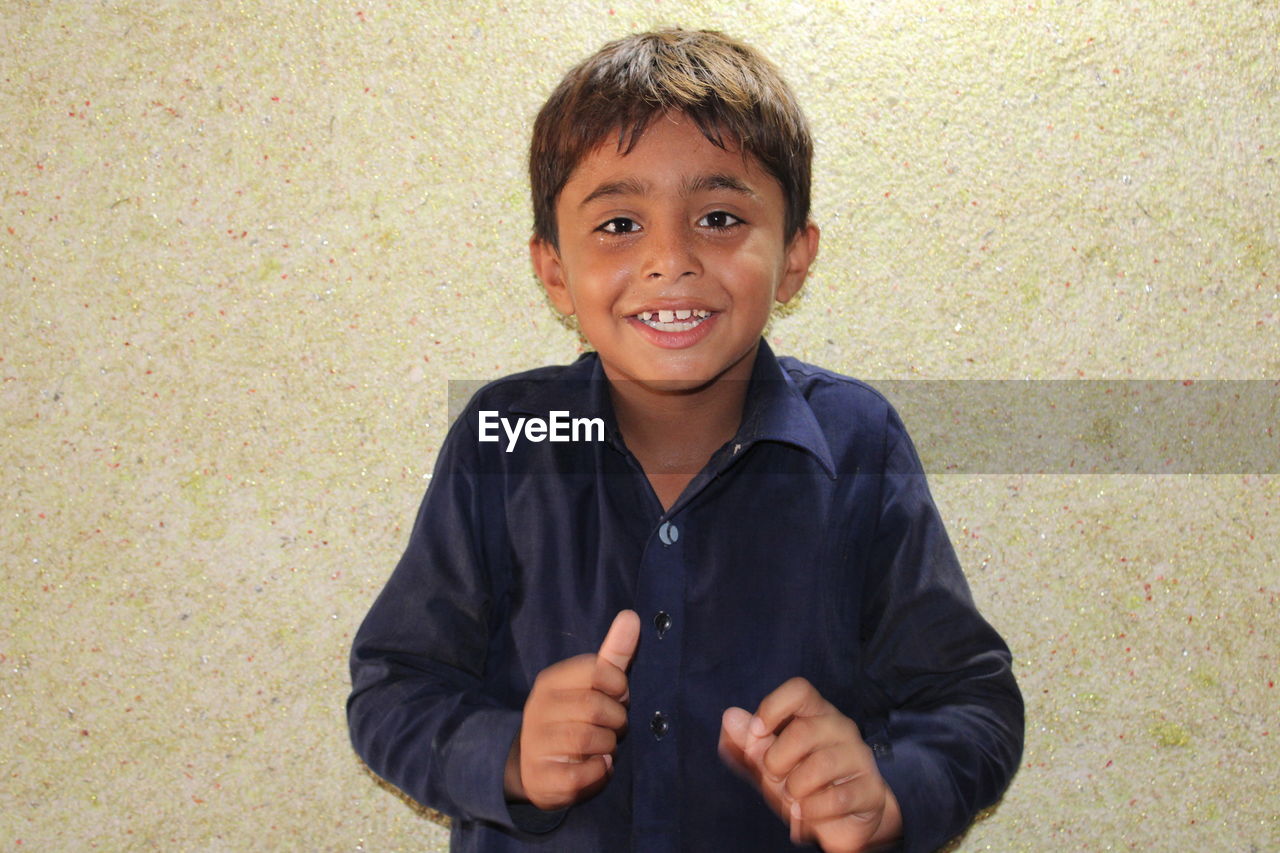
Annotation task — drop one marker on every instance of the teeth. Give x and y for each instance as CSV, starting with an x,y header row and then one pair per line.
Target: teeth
x,y
673,320
677,314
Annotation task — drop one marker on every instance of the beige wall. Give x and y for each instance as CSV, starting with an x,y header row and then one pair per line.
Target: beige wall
x,y
244,246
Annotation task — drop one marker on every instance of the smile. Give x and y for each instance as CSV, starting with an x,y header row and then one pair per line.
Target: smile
x,y
678,320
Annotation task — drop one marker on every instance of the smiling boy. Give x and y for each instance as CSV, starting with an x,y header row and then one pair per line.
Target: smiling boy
x,y
790,653
671,255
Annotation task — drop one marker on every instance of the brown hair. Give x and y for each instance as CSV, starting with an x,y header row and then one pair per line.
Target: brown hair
x,y
732,92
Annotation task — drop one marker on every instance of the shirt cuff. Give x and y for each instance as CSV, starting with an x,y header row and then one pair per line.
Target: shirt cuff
x,y
921,783
478,751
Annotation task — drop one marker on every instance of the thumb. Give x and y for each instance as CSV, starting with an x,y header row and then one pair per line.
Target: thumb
x,y
735,723
619,644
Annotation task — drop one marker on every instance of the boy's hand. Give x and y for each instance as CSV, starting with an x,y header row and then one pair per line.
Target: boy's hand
x,y
812,766
577,707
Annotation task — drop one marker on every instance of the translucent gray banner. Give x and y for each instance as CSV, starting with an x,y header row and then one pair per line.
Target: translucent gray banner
x,y
1078,426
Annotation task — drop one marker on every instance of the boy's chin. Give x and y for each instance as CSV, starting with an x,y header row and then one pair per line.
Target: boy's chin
x,y
676,386
680,376
672,385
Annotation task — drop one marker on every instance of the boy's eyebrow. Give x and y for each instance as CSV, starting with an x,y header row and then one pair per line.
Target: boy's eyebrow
x,y
626,186
718,181
695,184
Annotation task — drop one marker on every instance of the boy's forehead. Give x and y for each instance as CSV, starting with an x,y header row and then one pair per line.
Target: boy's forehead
x,y
671,153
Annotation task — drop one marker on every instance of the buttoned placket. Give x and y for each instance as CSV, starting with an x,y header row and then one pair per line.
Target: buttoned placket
x,y
656,673
655,688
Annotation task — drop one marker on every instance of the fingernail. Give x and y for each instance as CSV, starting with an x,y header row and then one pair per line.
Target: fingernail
x,y
608,762
757,727
795,811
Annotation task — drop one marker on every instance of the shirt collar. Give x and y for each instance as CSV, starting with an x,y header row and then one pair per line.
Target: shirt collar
x,y
775,410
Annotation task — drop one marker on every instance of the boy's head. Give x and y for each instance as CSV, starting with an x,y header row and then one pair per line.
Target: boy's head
x,y
732,92
671,190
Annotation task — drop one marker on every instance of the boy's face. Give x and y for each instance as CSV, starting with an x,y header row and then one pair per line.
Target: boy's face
x,y
672,256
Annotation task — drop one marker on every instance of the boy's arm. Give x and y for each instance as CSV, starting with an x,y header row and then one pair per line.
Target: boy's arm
x,y
418,712
955,716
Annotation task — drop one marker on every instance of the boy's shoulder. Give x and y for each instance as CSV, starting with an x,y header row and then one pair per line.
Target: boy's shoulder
x,y
834,396
540,389
511,424
857,421
811,380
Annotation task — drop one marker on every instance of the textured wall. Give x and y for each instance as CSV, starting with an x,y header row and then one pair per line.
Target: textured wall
x,y
244,246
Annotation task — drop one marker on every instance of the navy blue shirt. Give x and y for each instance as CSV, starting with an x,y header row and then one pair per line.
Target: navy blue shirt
x,y
808,546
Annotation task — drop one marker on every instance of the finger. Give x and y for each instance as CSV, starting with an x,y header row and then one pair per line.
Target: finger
x,y
569,782
620,643
615,655
798,834
794,698
860,798
756,750
594,707
608,680
733,738
576,742
829,764
594,773
568,674
735,723
826,745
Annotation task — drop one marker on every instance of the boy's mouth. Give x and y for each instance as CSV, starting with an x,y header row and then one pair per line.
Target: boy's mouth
x,y
675,320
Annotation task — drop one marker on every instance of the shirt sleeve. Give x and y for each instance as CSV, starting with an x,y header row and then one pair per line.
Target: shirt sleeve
x,y
955,714
419,712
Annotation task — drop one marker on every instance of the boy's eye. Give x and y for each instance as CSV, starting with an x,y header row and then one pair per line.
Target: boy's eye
x,y
620,225
719,219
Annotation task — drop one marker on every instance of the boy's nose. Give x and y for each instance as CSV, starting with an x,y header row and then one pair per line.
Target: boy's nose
x,y
671,255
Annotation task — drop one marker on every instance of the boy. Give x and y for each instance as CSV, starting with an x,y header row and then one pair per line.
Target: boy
x,y
785,628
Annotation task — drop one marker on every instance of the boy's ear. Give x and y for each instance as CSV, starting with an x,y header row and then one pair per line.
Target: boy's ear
x,y
800,255
550,271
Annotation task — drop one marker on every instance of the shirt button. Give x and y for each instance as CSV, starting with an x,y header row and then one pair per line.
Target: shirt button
x,y
658,725
662,621
668,533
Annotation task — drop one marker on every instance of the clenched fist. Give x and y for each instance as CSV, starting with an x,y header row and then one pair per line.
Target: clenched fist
x,y
572,719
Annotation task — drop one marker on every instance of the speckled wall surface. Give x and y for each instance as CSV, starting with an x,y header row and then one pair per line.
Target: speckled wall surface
x,y
244,246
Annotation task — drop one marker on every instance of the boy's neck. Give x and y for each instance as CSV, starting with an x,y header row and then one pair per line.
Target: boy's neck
x,y
673,434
